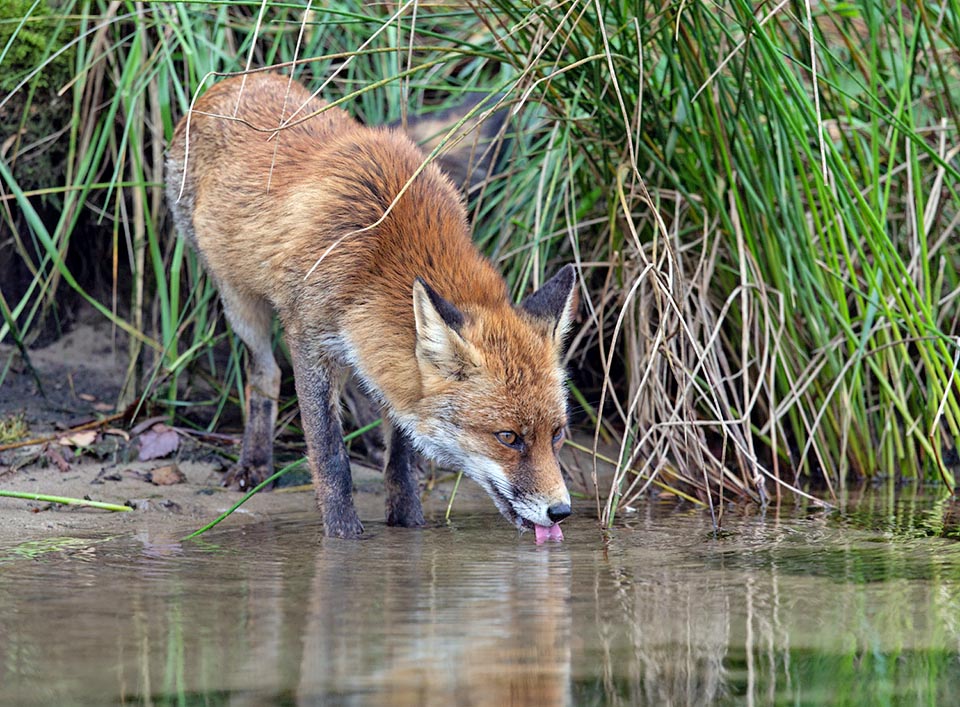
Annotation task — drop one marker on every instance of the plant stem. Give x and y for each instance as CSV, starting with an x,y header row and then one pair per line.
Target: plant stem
x,y
65,500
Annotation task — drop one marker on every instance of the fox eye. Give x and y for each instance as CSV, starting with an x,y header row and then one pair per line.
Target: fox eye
x,y
558,436
509,438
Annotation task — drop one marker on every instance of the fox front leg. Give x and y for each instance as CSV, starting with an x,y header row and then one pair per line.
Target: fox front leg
x,y
403,496
318,391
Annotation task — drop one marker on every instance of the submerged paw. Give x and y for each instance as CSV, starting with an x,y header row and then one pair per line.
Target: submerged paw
x,y
243,477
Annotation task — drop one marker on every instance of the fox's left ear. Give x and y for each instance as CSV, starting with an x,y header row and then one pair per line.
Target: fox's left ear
x,y
555,302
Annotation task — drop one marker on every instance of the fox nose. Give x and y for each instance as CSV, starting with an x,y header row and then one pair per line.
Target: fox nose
x,y
558,512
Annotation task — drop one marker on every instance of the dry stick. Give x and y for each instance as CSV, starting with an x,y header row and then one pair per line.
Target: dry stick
x,y
286,96
605,515
638,473
710,399
65,433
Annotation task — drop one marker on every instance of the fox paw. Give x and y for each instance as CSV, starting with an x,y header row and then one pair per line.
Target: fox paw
x,y
243,477
342,525
408,515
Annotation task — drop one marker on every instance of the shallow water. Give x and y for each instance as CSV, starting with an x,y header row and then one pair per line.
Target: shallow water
x,y
855,607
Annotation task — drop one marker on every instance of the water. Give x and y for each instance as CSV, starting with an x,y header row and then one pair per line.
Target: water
x,y
805,607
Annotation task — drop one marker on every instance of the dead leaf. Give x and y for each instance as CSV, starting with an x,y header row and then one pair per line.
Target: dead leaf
x,y
79,439
157,442
146,425
54,455
167,476
8,143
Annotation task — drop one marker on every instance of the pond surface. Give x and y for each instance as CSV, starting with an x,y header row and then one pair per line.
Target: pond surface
x,y
799,607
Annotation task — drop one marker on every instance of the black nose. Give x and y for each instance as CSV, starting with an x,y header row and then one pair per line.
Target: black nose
x,y
558,512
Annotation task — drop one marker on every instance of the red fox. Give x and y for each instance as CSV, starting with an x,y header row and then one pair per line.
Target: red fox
x,y
292,222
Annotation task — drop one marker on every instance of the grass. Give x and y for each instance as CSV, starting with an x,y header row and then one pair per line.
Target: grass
x,y
64,500
762,201
12,428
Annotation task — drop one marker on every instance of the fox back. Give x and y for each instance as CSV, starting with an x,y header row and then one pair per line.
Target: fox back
x,y
365,254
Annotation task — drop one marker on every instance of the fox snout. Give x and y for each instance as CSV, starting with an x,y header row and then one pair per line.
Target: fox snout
x,y
541,511
516,491
558,512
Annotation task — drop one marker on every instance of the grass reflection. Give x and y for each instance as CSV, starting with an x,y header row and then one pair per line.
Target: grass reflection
x,y
789,608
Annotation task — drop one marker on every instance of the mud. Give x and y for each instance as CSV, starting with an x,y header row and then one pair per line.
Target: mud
x,y
80,377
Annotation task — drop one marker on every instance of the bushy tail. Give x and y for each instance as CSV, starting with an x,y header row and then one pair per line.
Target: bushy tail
x,y
478,156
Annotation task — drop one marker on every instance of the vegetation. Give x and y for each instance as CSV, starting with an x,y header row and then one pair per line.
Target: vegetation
x,y
762,201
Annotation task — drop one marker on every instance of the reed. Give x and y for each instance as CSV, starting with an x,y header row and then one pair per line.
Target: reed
x,y
762,201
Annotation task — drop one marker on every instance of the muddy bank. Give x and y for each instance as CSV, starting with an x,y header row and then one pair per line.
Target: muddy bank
x,y
180,508
77,380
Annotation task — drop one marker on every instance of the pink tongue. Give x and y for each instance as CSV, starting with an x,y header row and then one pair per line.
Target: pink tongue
x,y
545,533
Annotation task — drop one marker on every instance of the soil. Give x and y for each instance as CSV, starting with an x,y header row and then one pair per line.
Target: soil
x,y
80,376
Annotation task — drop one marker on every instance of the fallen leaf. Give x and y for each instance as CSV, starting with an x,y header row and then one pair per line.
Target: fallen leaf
x,y
56,457
78,439
8,143
157,442
166,476
146,425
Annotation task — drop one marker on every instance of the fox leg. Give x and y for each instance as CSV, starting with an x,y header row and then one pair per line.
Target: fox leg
x,y
252,319
403,497
318,391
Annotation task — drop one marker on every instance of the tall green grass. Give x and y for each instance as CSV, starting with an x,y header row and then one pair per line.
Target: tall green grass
x,y
776,282
762,201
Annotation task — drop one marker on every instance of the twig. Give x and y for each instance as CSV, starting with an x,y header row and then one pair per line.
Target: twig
x,y
64,433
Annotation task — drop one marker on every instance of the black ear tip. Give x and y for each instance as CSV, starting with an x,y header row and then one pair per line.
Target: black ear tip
x,y
565,278
550,300
447,311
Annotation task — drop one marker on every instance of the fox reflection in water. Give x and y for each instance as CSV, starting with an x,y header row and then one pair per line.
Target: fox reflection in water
x,y
420,624
449,616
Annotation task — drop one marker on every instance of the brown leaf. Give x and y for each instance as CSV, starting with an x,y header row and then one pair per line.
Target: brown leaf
x,y
167,476
146,425
157,442
54,455
79,439
5,147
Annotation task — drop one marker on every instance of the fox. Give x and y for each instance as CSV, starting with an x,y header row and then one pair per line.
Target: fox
x,y
365,255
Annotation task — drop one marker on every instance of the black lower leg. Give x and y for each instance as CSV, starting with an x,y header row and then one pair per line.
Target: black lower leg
x,y
318,395
256,454
403,495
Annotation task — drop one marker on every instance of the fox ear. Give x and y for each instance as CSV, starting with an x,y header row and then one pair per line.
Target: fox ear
x,y
439,343
555,302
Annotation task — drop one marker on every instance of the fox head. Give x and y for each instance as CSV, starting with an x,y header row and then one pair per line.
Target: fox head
x,y
493,400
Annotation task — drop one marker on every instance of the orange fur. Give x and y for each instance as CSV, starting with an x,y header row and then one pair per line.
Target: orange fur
x,y
262,206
